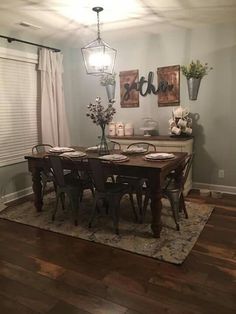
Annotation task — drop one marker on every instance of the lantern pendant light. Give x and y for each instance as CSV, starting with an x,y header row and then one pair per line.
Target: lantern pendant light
x,y
99,57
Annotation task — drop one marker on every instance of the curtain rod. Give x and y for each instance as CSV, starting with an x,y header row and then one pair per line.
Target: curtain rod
x,y
10,39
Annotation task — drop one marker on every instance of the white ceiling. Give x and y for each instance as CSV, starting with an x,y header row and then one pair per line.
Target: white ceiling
x,y
73,19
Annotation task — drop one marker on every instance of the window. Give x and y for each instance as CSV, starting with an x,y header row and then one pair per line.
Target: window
x,y
19,105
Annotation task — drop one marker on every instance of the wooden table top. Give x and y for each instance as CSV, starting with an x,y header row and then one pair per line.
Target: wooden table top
x,y
136,160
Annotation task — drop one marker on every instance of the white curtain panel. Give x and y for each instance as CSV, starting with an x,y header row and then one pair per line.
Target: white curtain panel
x,y
54,124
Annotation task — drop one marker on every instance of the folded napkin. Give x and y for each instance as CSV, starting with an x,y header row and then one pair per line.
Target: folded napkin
x,y
159,156
114,157
74,154
58,149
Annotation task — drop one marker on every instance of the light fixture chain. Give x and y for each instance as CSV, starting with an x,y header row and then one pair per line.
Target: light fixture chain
x,y
98,25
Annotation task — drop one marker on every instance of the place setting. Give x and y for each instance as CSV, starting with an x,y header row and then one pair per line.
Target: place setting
x,y
67,152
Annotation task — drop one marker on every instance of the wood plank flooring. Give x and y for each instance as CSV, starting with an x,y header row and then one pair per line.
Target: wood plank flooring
x,y
45,272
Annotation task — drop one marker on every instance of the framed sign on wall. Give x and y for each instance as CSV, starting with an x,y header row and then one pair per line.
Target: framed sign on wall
x,y
168,85
129,93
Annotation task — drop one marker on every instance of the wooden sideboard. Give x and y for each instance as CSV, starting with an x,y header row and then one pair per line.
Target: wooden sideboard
x,y
163,144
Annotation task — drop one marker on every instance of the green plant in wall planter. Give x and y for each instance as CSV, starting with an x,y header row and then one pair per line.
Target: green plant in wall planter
x,y
194,72
109,81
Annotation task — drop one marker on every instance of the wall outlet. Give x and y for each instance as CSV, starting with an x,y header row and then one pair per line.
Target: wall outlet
x,y
221,173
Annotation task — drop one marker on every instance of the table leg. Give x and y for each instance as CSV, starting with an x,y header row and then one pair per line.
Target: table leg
x,y
156,205
37,189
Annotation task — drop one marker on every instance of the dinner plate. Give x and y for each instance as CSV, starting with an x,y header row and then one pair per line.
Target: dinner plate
x,y
159,156
115,157
58,149
75,154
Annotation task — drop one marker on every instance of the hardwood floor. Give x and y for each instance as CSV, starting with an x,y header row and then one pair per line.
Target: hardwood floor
x,y
45,272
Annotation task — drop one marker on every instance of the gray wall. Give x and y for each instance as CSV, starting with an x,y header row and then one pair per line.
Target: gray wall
x,y
214,111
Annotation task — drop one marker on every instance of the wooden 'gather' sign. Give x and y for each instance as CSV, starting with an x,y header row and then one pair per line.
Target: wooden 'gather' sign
x,y
168,90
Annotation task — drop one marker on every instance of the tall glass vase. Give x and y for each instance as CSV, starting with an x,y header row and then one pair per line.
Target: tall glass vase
x,y
103,147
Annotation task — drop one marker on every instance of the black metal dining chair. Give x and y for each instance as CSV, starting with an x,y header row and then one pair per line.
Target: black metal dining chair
x,y
109,193
113,146
46,174
173,190
71,185
136,184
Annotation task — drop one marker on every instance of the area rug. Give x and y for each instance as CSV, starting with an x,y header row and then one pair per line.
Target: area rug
x,y
173,246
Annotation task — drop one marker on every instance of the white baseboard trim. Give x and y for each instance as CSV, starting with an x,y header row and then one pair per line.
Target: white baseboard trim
x,y
16,195
214,187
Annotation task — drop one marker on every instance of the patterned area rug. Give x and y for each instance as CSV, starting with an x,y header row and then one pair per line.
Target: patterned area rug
x,y
173,246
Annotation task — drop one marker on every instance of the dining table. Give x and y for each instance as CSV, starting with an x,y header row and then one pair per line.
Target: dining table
x,y
155,171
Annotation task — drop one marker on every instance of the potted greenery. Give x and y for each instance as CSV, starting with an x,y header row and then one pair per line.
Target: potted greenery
x,y
194,72
109,81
